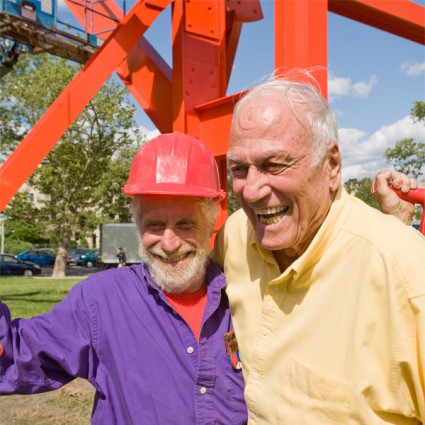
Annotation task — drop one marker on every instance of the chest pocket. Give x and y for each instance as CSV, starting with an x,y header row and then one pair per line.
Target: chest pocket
x,y
320,398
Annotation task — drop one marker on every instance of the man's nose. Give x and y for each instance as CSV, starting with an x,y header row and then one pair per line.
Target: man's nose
x,y
256,186
170,241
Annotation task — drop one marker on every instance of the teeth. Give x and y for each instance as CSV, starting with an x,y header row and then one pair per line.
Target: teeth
x,y
271,220
270,215
269,210
172,259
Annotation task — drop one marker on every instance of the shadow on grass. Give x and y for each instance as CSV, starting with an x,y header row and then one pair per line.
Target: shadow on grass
x,y
27,297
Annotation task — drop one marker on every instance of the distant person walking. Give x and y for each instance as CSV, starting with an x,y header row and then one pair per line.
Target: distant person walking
x,y
122,259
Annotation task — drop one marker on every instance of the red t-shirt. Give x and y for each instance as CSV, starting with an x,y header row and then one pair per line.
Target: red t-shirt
x,y
191,307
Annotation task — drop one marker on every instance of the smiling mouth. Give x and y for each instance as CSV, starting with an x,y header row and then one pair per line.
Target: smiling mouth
x,y
173,259
271,215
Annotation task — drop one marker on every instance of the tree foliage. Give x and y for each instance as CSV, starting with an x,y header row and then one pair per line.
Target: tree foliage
x,y
408,155
418,111
23,224
362,189
232,202
115,203
88,153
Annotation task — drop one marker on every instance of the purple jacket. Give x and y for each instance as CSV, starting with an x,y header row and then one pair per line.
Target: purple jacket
x,y
117,330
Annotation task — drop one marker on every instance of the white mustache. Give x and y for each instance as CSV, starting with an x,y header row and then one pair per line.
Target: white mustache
x,y
175,256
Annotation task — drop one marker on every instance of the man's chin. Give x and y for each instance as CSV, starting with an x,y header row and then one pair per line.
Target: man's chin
x,y
180,276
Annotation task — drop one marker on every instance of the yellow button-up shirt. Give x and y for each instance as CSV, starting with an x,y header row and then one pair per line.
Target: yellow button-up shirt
x,y
339,337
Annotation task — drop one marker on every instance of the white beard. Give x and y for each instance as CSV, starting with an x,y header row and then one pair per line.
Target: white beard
x,y
171,278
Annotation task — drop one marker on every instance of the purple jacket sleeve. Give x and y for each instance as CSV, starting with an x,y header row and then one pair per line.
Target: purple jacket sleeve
x,y
48,351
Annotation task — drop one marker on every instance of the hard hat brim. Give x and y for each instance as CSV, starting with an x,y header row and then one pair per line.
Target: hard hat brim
x,y
173,189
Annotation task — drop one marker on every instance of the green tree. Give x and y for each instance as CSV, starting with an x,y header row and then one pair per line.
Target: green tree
x,y
23,224
408,155
114,202
418,111
362,189
233,204
81,160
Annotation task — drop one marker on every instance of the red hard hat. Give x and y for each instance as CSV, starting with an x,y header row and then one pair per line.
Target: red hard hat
x,y
174,164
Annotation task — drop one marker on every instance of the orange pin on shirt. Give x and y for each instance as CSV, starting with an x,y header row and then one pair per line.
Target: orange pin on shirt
x,y
232,349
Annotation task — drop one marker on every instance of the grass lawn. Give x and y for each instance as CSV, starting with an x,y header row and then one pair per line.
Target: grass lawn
x,y
71,404
27,297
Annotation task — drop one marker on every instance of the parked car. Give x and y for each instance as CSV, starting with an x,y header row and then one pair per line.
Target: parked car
x,y
42,257
75,254
10,265
90,259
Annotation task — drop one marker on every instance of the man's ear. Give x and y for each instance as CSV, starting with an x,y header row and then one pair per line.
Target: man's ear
x,y
334,166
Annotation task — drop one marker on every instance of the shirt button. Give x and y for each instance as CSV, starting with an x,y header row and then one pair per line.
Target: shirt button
x,y
190,350
203,390
252,415
254,376
265,331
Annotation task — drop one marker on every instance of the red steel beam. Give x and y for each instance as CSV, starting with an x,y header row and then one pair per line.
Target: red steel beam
x,y
301,41
199,58
65,109
149,79
96,17
215,118
301,37
199,68
402,17
144,72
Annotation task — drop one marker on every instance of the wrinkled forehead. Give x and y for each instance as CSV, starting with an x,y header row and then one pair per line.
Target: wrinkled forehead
x,y
267,124
267,111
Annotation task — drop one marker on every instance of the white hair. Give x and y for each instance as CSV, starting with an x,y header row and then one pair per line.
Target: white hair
x,y
301,92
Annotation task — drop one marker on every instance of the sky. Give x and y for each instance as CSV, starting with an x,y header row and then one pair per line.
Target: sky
x,y
374,80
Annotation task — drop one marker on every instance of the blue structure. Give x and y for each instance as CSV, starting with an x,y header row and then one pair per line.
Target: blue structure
x,y
41,12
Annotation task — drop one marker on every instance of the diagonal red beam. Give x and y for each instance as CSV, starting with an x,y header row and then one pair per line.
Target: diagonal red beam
x,y
402,17
96,17
145,73
149,79
65,109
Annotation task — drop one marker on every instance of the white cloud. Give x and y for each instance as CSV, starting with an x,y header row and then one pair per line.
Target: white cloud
x,y
341,86
413,69
149,133
363,155
152,134
362,89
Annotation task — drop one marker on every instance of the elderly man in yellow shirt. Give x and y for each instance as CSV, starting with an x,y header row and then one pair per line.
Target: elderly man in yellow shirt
x,y
327,294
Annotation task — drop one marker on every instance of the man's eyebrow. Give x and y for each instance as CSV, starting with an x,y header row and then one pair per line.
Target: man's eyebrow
x,y
231,157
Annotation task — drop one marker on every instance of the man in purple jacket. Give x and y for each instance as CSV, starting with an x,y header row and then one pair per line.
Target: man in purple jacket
x,y
151,337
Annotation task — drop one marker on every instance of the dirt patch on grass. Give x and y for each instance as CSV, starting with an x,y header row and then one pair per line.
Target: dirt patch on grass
x,y
70,405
